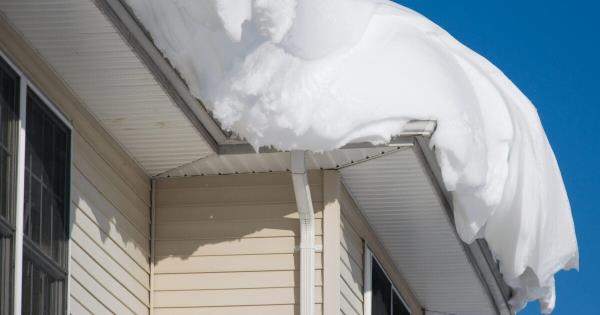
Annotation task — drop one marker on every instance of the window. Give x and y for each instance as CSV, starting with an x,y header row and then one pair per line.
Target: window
x,y
9,117
45,210
34,200
381,297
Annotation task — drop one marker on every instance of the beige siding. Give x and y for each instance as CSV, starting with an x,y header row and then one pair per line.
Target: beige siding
x,y
351,269
110,198
226,245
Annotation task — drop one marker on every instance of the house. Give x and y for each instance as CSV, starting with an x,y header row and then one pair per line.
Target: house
x,y
121,195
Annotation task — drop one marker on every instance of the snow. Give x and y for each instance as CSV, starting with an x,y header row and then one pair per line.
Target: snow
x,y
317,74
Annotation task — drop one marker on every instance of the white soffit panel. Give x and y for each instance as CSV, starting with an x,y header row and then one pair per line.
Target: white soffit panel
x,y
278,161
398,200
85,49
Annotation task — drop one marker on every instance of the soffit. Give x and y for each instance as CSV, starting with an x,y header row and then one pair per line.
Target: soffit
x,y
83,47
401,204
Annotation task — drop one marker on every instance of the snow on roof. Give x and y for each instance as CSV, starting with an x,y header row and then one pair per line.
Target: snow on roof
x,y
317,74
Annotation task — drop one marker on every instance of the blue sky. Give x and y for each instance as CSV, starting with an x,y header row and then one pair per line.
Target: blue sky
x,y
551,50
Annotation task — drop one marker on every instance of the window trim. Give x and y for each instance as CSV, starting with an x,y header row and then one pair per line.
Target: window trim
x,y
368,282
26,84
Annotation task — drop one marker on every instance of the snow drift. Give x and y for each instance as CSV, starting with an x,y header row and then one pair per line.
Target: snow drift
x,y
317,74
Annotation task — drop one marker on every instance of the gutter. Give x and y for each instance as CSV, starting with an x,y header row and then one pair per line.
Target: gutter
x,y
307,232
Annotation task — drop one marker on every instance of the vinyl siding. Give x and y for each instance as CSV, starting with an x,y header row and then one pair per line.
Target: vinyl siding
x,y
109,245
110,201
226,245
351,269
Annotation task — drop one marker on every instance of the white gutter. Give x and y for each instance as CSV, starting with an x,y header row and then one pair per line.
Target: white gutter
x,y
307,233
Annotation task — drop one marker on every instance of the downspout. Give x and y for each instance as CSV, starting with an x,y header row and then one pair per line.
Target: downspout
x,y
152,241
307,233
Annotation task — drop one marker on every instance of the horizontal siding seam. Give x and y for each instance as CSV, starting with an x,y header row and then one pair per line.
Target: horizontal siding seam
x,y
81,303
351,258
232,288
101,192
105,288
125,250
349,287
232,271
112,276
91,294
86,176
125,180
109,255
115,222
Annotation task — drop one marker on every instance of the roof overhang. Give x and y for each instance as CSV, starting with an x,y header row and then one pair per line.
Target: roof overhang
x,y
459,278
110,62
102,55
403,198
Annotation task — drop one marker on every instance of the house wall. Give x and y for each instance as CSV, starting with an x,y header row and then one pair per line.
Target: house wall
x,y
227,245
110,201
351,269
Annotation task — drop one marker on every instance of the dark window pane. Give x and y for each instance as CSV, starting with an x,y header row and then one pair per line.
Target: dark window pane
x,y
5,274
60,165
37,292
46,225
4,182
36,205
26,287
47,146
27,205
9,117
35,138
58,235
381,298
46,209
48,151
398,306
42,293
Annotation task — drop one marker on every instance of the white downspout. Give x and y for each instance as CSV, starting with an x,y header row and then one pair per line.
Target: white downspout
x,y
307,233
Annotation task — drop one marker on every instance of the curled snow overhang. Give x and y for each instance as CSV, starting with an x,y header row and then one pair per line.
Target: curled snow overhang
x,y
318,75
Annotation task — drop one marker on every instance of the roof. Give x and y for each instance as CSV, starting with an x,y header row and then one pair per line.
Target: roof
x,y
110,63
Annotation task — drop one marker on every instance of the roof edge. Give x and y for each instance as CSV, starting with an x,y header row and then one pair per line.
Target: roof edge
x,y
478,252
136,36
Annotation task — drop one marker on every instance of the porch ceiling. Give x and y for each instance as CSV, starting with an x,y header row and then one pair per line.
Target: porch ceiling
x,y
85,49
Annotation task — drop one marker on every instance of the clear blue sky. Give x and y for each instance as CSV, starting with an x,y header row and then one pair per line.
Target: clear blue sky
x,y
551,50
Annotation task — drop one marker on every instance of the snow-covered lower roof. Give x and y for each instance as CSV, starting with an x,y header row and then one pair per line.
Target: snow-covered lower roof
x,y
318,74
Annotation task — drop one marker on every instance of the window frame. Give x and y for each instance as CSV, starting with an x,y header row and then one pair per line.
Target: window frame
x,y
19,248
369,257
